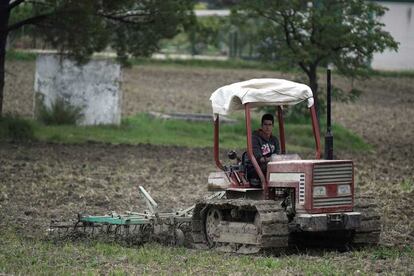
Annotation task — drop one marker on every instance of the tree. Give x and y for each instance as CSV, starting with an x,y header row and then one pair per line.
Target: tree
x,y
310,34
220,4
79,28
205,33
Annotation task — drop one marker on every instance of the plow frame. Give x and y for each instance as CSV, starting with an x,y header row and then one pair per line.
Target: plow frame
x,y
145,225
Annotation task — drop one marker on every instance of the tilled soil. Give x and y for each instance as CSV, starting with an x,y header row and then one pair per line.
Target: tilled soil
x,y
40,181
384,116
43,181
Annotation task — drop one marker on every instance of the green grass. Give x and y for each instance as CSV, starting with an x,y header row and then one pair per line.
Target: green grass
x,y
407,185
24,256
392,74
20,56
17,55
254,65
145,129
15,129
223,64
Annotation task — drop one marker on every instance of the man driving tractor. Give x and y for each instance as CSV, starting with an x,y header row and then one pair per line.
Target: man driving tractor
x,y
264,145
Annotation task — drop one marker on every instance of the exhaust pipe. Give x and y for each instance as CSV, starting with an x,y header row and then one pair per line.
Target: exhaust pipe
x,y
328,135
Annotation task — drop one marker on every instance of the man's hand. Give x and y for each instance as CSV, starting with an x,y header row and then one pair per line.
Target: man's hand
x,y
264,159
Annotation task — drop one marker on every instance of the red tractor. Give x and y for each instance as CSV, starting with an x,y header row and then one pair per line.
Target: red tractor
x,y
297,200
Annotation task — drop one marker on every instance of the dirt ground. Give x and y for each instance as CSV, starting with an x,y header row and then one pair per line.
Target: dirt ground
x,y
40,181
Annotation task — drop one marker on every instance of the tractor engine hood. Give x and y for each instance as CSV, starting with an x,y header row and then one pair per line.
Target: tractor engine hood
x,y
322,186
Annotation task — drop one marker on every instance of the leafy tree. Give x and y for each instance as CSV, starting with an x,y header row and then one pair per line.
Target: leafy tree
x,y
220,4
79,28
311,34
205,33
249,34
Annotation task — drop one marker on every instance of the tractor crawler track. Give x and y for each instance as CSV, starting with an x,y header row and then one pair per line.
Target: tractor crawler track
x,y
266,227
370,230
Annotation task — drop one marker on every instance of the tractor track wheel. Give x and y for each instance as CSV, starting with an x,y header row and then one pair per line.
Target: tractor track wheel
x,y
212,220
370,230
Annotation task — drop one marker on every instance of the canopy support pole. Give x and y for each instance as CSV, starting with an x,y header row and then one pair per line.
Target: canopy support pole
x,y
216,142
316,132
250,151
281,130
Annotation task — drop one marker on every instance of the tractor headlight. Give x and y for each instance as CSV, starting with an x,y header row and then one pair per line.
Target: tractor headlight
x,y
319,191
344,189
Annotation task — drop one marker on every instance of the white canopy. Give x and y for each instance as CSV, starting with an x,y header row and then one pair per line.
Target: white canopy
x,y
259,92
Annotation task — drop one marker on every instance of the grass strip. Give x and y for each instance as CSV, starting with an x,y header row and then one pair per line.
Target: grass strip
x,y
221,64
24,256
16,55
145,129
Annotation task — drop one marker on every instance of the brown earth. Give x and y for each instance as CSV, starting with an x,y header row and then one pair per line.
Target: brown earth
x,y
40,181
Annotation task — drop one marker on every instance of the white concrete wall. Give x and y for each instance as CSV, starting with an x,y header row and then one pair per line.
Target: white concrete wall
x,y
399,22
95,87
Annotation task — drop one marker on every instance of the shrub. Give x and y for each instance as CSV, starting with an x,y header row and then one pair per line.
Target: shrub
x,y
15,129
60,113
346,97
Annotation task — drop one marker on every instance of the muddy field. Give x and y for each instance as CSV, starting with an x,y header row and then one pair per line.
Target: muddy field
x,y
41,181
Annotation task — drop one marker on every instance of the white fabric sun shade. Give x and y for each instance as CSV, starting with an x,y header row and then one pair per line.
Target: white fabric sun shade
x,y
259,92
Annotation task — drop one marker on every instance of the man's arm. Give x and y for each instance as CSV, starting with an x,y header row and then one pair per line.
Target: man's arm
x,y
257,152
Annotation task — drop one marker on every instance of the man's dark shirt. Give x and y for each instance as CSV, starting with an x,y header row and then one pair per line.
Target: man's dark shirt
x,y
264,146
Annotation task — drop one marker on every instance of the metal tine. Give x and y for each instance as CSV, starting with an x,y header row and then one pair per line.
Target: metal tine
x,y
127,228
102,230
151,204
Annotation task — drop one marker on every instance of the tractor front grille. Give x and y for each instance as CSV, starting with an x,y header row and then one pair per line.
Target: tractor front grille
x,y
332,201
332,174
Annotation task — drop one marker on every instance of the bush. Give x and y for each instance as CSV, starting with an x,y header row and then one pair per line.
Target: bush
x,y
345,97
60,113
15,129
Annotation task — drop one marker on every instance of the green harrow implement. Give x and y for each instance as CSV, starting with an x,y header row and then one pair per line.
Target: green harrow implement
x,y
134,227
